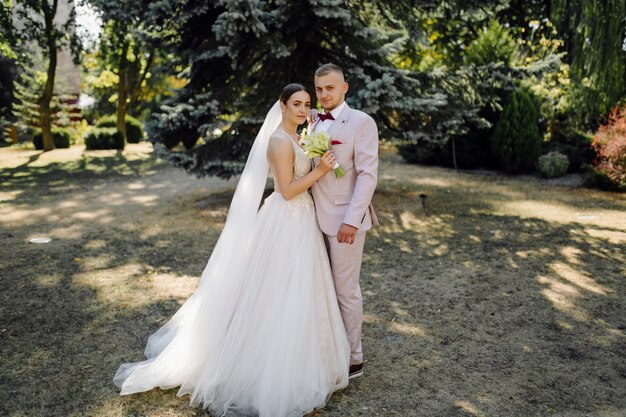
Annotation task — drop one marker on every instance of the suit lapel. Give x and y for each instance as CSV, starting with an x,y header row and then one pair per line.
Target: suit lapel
x,y
340,122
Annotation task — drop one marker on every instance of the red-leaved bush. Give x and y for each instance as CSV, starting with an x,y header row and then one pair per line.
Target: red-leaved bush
x,y
610,145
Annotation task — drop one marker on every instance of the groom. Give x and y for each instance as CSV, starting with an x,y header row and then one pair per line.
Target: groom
x,y
343,205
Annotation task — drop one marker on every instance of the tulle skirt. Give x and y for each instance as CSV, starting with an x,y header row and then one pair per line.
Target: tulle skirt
x,y
268,342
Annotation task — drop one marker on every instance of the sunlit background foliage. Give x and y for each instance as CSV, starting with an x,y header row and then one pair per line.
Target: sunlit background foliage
x,y
471,85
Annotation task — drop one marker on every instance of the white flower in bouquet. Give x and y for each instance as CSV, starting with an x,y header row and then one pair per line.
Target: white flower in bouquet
x,y
318,144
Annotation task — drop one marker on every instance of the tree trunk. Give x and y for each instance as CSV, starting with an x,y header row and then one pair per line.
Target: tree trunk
x,y
136,90
122,90
44,108
454,154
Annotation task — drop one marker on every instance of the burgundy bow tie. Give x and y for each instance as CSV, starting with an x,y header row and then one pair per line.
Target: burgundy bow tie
x,y
326,116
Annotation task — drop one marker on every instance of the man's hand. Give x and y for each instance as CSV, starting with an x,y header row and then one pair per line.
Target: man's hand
x,y
346,234
312,116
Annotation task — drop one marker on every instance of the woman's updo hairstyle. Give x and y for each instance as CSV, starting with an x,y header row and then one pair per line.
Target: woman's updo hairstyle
x,y
289,90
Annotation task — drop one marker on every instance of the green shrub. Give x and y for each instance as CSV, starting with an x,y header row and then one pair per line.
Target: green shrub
x,y
575,145
38,140
104,138
516,141
553,164
134,130
493,44
60,136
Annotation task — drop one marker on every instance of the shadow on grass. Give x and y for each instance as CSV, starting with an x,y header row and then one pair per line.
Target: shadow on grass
x,y
479,314
468,313
70,314
63,330
60,177
12,171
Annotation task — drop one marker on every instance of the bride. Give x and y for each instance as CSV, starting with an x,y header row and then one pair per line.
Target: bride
x,y
262,334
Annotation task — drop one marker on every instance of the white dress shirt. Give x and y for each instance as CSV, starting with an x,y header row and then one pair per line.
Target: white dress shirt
x,y
326,124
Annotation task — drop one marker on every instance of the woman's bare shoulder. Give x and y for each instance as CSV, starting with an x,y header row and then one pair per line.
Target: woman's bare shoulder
x,y
279,141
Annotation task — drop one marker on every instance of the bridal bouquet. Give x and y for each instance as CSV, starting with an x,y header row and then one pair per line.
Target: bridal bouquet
x,y
317,145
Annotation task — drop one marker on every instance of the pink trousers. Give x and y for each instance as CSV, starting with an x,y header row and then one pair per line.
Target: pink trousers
x,y
345,262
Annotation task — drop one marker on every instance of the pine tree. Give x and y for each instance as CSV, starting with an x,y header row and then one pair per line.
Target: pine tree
x,y
27,94
516,140
8,67
242,53
474,84
8,58
8,73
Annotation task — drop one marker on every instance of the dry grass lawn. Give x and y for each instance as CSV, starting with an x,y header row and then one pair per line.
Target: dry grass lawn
x,y
502,296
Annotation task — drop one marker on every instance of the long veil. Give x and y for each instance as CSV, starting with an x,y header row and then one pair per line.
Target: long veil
x,y
245,204
175,351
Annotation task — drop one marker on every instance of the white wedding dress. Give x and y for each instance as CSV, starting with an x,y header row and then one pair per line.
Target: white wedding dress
x,y
267,340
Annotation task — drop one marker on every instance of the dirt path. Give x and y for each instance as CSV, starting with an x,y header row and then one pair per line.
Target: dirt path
x,y
501,297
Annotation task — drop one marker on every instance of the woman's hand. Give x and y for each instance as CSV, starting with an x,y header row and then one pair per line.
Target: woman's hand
x,y
327,161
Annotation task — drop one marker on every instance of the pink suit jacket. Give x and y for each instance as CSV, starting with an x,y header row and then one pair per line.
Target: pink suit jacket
x,y
348,199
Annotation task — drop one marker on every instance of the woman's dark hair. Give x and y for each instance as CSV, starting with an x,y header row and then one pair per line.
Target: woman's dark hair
x,y
289,90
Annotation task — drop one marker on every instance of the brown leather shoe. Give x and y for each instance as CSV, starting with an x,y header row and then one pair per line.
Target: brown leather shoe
x,y
355,371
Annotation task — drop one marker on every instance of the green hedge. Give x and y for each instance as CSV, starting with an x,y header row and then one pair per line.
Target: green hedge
x,y
60,136
104,138
134,129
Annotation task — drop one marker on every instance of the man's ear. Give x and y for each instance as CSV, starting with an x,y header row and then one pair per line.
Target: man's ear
x,y
346,86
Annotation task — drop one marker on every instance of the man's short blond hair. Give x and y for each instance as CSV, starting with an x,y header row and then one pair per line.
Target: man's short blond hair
x,y
327,69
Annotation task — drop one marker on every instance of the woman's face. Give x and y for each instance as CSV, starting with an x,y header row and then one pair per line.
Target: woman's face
x,y
297,108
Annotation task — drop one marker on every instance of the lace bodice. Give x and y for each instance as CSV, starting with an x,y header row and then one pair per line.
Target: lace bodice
x,y
301,167
301,163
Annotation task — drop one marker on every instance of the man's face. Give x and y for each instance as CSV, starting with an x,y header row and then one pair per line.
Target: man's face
x,y
331,90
